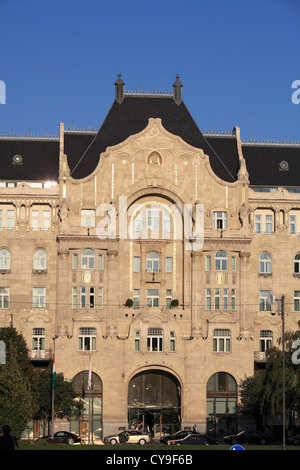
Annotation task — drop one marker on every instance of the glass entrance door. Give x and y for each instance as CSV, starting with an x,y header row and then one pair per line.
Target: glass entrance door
x,y
154,402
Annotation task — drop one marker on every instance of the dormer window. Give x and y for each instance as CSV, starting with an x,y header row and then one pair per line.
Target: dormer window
x,y
220,220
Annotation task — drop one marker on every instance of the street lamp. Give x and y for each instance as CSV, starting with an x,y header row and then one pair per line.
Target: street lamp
x,y
271,298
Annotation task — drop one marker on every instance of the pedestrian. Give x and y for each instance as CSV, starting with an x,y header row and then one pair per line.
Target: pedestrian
x,y
195,428
7,441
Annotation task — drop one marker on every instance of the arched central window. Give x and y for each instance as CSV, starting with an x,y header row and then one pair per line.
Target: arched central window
x,y
88,259
221,261
152,262
221,401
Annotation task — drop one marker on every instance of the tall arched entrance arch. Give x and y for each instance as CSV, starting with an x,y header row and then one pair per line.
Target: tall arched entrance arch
x,y
86,419
154,402
221,401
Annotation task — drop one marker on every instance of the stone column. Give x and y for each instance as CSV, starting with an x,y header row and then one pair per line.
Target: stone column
x,y
111,302
243,295
196,288
63,292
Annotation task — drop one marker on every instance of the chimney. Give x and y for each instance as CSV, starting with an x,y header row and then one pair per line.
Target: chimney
x,y
177,85
119,84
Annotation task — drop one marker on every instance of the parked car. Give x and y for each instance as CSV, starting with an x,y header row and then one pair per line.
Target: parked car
x,y
293,440
176,435
250,437
194,439
64,437
130,437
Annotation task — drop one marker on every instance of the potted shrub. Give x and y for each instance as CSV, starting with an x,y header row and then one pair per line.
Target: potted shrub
x,y
129,303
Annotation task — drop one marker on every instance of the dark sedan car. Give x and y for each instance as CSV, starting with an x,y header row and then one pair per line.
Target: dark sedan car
x,y
176,435
248,437
64,437
293,440
194,439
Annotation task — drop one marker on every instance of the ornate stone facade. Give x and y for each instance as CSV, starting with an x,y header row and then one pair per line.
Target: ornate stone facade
x,y
72,254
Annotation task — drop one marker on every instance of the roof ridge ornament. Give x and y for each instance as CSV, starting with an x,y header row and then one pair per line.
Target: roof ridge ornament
x,y
177,85
119,84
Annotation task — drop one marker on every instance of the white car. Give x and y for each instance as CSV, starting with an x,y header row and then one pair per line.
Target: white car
x,y
128,437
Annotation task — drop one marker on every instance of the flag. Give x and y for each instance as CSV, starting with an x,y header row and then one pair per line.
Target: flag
x,y
53,373
89,384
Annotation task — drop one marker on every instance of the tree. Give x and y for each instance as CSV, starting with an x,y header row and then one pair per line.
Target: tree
x,y
261,395
251,391
64,396
17,383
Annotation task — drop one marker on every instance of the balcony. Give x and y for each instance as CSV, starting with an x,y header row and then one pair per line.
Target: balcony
x,y
41,354
260,357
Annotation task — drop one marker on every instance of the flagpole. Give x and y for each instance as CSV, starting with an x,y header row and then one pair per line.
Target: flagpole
x,y
89,389
52,385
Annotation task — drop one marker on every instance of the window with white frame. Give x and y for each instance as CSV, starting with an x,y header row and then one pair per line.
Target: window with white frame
x,y
222,340
169,264
172,341
4,259
137,341
168,298
264,222
40,218
166,223
297,264
87,339
152,298
7,217
136,299
38,339
136,264
155,339
75,261
225,299
83,297
257,224
100,261
217,299
4,297
39,260
88,259
152,262
233,299
265,340
220,220
100,298
294,222
74,297
265,261
221,261
88,217
39,297
297,300
87,297
208,299
153,218
207,263
264,306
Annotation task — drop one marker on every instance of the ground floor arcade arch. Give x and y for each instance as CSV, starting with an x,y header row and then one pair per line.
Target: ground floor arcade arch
x,y
154,401
87,415
221,405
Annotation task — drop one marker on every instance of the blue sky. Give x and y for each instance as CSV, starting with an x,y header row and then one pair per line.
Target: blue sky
x,y
236,59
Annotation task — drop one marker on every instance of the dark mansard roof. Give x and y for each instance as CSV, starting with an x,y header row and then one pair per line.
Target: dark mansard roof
x,y
129,115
